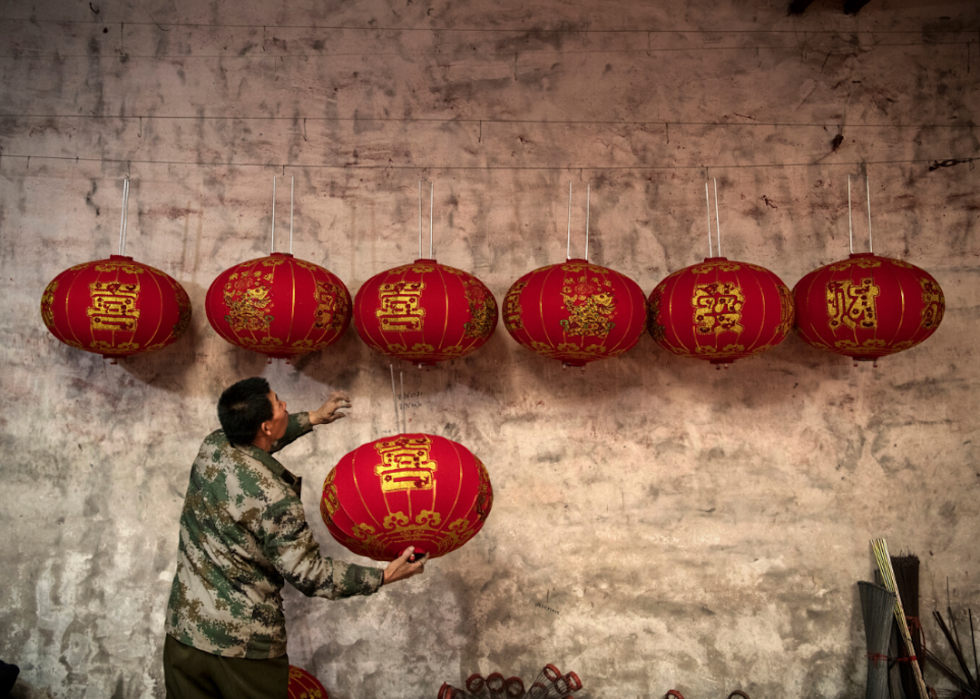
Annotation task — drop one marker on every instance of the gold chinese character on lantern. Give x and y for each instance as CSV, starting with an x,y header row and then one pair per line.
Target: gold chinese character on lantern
x,y
400,309
852,304
113,306
718,307
405,464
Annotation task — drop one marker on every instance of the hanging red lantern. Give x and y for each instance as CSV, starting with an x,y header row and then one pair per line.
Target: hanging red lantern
x,y
115,307
720,310
303,685
416,490
424,313
278,305
575,312
866,306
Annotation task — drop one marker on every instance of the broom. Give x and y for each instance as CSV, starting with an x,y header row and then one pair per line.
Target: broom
x,y
907,580
878,609
888,576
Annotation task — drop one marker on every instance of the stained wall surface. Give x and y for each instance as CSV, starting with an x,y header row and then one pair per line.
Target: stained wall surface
x,y
657,524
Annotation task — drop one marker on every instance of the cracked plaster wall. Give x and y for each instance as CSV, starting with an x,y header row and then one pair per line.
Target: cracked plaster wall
x,y
657,524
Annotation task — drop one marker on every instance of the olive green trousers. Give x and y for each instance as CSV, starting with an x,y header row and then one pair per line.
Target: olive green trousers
x,y
190,673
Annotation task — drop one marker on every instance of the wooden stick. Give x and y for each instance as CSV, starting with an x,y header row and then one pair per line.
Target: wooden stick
x,y
888,577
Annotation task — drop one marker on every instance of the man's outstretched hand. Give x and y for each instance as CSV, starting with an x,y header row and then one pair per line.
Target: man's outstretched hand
x,y
400,568
327,412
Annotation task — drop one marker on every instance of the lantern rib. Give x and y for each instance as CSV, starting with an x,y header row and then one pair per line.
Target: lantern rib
x,y
360,495
459,484
153,338
445,299
758,282
292,300
901,291
544,326
68,315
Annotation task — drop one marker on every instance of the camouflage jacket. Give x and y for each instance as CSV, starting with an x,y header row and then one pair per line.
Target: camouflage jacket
x,y
243,532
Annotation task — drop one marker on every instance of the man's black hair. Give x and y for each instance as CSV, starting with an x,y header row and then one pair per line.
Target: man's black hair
x,y
242,409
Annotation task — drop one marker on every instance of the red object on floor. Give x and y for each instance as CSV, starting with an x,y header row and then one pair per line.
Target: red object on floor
x,y
417,490
720,310
867,306
279,306
575,312
303,685
115,307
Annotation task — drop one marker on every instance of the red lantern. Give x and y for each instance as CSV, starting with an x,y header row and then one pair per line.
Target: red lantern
x,y
278,305
866,306
575,312
424,313
115,307
408,490
303,685
720,310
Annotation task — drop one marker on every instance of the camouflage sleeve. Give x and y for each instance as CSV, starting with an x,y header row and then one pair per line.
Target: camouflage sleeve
x,y
290,546
299,424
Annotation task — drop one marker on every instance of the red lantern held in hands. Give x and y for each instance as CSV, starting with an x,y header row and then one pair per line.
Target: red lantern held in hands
x,y
115,307
303,685
424,313
720,311
575,312
416,490
279,305
867,306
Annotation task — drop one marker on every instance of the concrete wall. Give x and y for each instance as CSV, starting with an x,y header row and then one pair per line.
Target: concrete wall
x,y
657,524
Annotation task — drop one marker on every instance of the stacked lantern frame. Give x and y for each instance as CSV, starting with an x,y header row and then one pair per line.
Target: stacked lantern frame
x,y
575,312
417,490
115,307
279,305
424,313
867,306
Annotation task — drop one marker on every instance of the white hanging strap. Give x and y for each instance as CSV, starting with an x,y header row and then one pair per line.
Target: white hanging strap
x,y
588,195
124,218
431,190
707,214
867,182
717,219
568,243
272,244
292,181
394,396
420,232
850,224
401,376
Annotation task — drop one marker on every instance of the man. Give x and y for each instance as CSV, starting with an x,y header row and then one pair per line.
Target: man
x,y
243,533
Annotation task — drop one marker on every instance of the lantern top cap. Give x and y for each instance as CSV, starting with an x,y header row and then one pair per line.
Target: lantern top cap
x,y
281,254
862,254
121,257
716,259
424,259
